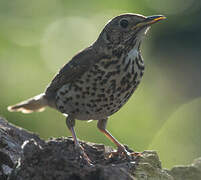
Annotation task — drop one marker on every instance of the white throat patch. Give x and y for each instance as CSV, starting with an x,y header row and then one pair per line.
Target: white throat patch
x,y
133,53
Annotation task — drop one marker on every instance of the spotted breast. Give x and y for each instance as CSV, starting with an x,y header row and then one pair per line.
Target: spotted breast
x,y
103,89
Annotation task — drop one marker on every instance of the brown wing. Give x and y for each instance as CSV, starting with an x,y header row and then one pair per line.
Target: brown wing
x,y
79,64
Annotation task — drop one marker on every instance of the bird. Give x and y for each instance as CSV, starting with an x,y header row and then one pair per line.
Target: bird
x,y
100,79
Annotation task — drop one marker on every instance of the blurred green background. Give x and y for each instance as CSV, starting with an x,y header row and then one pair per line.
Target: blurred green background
x,y
38,37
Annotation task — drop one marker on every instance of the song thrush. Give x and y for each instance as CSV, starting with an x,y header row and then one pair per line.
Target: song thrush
x,y
100,79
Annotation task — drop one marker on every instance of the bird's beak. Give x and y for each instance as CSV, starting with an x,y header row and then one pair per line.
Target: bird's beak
x,y
150,20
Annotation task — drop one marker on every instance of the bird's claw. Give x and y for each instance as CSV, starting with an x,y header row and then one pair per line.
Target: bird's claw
x,y
81,151
123,153
136,154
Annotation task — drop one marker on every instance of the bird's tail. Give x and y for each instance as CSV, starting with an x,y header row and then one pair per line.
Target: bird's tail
x,y
35,104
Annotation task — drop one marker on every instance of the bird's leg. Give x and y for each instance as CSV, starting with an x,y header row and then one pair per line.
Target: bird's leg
x,y
120,148
70,122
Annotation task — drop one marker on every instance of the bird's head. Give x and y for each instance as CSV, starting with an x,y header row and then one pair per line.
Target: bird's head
x,y
127,29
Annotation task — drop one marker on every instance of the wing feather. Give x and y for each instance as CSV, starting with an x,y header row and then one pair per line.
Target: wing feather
x,y
79,64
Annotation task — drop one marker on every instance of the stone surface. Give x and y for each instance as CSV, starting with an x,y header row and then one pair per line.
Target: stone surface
x,y
11,139
23,155
190,172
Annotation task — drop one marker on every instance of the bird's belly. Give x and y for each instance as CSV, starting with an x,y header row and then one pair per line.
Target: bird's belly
x,y
99,93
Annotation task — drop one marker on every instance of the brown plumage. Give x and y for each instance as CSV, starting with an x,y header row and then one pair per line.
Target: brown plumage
x,y
99,80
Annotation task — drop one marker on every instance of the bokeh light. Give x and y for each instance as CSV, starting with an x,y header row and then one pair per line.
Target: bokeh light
x,y
172,7
75,30
38,37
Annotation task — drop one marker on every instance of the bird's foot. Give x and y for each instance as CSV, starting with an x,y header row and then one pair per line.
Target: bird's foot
x,y
82,153
123,153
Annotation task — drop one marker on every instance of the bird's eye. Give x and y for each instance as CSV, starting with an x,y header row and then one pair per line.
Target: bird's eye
x,y
124,23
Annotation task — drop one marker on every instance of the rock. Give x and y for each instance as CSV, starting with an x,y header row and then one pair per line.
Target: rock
x,y
149,168
23,155
190,172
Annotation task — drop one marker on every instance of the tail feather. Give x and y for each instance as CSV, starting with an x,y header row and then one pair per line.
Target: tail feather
x,y
35,104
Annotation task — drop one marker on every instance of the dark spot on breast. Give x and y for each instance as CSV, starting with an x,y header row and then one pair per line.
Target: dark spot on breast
x,y
93,72
111,62
113,85
113,110
126,96
128,75
128,87
72,112
80,81
68,99
89,105
94,84
123,80
112,97
119,94
133,68
135,77
97,110
118,66
133,89
140,66
96,66
108,75
104,81
141,60
77,96
124,59
127,65
117,52
101,95
70,87
62,93
105,99
61,107
102,63
118,71
119,106
88,75
119,89
99,77
108,91
93,94
65,100
102,73
77,88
